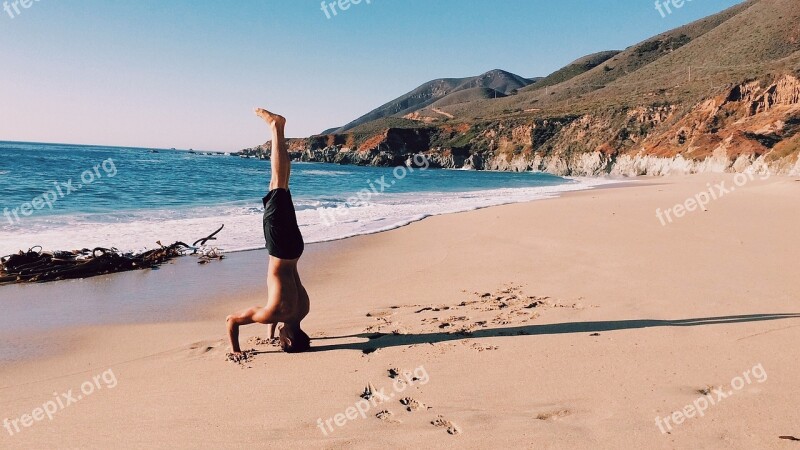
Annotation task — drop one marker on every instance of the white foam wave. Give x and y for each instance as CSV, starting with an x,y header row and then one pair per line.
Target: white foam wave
x,y
325,173
319,221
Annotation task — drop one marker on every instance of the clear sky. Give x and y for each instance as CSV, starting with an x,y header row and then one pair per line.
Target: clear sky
x,y
186,73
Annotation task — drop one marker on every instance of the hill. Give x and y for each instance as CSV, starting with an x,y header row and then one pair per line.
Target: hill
x,y
721,93
575,68
432,91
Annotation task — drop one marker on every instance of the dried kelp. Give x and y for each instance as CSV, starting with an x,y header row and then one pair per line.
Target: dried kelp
x,y
36,265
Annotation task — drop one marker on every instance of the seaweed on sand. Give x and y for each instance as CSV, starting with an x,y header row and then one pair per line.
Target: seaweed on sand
x,y
36,265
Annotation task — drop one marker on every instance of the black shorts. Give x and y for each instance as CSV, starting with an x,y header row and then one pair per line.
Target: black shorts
x,y
281,232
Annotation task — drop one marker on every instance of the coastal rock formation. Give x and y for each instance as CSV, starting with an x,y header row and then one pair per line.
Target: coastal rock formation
x,y
752,126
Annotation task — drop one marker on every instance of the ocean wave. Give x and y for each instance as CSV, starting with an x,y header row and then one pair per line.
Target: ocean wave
x,y
325,173
327,221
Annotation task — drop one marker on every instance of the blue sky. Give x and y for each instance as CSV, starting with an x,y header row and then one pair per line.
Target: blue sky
x,y
186,73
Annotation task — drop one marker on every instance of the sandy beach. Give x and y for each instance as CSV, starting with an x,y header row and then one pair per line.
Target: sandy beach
x,y
573,322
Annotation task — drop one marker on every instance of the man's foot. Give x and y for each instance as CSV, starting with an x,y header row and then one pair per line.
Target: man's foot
x,y
274,120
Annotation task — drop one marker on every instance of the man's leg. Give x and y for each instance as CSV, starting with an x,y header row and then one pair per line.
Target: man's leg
x,y
279,160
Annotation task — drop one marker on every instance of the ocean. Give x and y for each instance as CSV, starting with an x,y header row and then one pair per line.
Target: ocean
x,y
65,197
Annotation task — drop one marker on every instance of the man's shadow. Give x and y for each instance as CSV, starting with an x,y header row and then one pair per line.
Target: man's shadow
x,y
375,341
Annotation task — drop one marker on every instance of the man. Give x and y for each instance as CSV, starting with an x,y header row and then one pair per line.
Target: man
x,y
287,299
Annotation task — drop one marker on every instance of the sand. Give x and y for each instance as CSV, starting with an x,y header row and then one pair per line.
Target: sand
x,y
565,323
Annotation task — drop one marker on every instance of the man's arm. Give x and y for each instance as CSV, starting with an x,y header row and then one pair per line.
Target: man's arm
x,y
255,314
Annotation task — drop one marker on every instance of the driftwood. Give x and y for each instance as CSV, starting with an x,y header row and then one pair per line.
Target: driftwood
x,y
210,237
36,265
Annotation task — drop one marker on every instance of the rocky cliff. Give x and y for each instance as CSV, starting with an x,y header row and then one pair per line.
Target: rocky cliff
x,y
749,126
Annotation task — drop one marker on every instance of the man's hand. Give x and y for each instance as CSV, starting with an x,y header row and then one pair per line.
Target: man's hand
x,y
239,357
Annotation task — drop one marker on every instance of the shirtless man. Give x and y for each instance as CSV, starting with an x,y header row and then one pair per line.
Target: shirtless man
x,y
287,299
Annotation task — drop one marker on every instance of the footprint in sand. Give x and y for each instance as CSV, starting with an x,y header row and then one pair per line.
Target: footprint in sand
x,y
507,305
537,302
709,389
400,330
466,330
380,313
501,320
441,422
274,342
201,350
553,415
369,391
481,348
463,304
383,323
451,321
203,347
387,416
455,325
412,405
395,373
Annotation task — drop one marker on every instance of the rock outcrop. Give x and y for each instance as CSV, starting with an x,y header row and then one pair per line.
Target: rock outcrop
x,y
752,126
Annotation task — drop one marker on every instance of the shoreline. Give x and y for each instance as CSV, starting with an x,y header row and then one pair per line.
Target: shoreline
x,y
311,249
611,185
393,212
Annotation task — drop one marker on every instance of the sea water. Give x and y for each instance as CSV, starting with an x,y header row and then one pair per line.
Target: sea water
x,y
65,197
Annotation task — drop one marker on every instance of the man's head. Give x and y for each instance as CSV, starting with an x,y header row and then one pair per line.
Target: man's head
x,y
293,339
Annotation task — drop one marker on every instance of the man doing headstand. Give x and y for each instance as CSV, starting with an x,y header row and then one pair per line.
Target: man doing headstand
x,y
287,299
